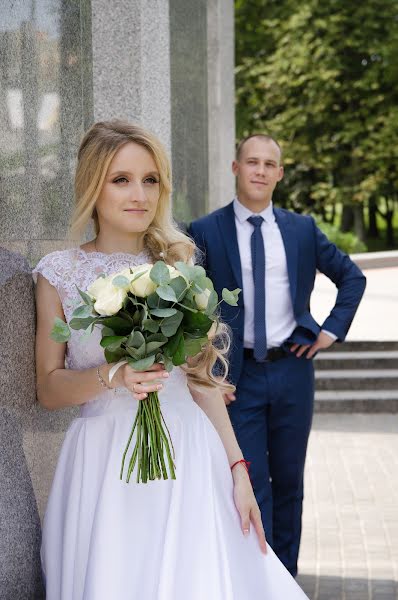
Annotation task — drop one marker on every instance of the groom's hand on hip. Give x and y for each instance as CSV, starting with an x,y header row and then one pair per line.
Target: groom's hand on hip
x,y
324,341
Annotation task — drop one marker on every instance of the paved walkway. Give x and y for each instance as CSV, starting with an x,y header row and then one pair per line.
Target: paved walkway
x,y
349,546
377,316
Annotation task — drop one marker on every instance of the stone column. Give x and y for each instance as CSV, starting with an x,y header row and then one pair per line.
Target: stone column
x,y
131,63
221,101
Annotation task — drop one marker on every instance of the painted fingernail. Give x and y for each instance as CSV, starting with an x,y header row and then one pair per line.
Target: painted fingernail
x,y
159,387
246,532
166,374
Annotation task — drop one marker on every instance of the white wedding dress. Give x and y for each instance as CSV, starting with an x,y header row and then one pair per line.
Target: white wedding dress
x,y
104,539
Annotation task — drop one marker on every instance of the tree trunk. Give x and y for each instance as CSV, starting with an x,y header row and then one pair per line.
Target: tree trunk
x,y
359,222
373,230
347,218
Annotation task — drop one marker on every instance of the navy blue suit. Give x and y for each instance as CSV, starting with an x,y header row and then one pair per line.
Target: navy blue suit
x,y
273,410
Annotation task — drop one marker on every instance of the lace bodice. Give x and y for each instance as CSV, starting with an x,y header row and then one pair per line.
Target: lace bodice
x,y
68,270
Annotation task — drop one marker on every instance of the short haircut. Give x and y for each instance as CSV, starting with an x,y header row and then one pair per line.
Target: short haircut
x,y
263,136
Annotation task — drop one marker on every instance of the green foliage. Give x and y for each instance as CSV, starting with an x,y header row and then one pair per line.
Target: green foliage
x,y
322,77
348,242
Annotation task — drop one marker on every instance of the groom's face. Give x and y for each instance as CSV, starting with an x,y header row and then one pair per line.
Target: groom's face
x,y
257,171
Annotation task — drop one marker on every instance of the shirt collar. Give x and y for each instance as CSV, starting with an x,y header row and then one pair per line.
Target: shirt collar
x,y
242,213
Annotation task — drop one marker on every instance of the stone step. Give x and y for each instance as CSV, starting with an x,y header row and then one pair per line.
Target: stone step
x,y
363,346
381,359
357,401
347,379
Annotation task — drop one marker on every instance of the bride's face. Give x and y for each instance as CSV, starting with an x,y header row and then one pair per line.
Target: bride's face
x,y
130,194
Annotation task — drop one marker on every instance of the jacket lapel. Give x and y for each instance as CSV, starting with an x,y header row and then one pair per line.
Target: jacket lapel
x,y
289,238
227,227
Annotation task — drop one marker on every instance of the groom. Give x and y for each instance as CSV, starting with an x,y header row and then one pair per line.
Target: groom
x,y
273,255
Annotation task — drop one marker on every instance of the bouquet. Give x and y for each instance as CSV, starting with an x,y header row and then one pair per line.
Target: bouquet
x,y
149,313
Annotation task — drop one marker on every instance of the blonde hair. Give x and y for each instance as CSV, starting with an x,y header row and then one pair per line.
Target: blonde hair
x,y
96,152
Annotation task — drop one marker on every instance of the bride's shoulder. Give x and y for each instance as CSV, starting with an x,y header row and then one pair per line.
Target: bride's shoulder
x,y
55,265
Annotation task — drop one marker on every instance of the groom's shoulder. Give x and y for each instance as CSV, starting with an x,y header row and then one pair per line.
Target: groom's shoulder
x,y
210,218
294,218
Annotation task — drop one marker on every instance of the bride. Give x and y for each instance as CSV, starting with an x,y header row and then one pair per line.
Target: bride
x,y
198,537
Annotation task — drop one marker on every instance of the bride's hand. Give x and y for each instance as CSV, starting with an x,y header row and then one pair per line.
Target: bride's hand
x,y
247,506
140,383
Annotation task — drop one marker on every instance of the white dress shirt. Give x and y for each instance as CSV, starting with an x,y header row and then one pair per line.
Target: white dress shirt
x,y
279,317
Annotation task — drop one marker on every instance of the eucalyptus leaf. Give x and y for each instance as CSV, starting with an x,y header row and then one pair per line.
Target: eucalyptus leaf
x,y
114,356
212,303
163,312
152,346
168,363
186,270
82,323
160,273
171,347
135,339
107,331
113,341
120,281
83,311
179,286
150,325
166,293
60,332
170,325
229,297
142,365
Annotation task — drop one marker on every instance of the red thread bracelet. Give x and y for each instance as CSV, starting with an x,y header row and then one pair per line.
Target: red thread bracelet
x,y
245,463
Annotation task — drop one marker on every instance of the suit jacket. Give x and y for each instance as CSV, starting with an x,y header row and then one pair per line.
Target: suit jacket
x,y
307,249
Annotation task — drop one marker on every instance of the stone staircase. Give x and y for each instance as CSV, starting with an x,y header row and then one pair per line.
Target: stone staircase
x,y
357,377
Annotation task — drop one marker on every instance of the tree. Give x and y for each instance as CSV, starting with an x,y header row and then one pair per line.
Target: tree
x,y
321,77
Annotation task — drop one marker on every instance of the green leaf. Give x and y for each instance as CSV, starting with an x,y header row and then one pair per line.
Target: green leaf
x,y
120,326
194,345
185,270
152,346
60,332
82,323
160,273
163,312
179,286
113,342
135,340
212,303
142,365
107,331
229,297
179,357
154,301
120,281
151,325
170,325
85,297
168,363
197,324
166,293
171,347
114,356
83,311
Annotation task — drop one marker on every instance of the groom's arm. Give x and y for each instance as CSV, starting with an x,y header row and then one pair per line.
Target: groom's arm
x,y
349,280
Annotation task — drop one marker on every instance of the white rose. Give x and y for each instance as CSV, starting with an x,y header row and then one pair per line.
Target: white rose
x,y
212,331
96,288
109,300
143,286
202,300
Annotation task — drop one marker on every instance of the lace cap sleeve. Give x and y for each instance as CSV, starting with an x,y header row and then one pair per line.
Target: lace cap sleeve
x,y
50,266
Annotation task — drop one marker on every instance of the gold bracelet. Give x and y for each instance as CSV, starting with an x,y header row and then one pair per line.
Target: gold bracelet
x,y
102,380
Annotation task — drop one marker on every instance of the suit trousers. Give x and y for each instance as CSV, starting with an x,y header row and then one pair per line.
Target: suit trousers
x,y
272,417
